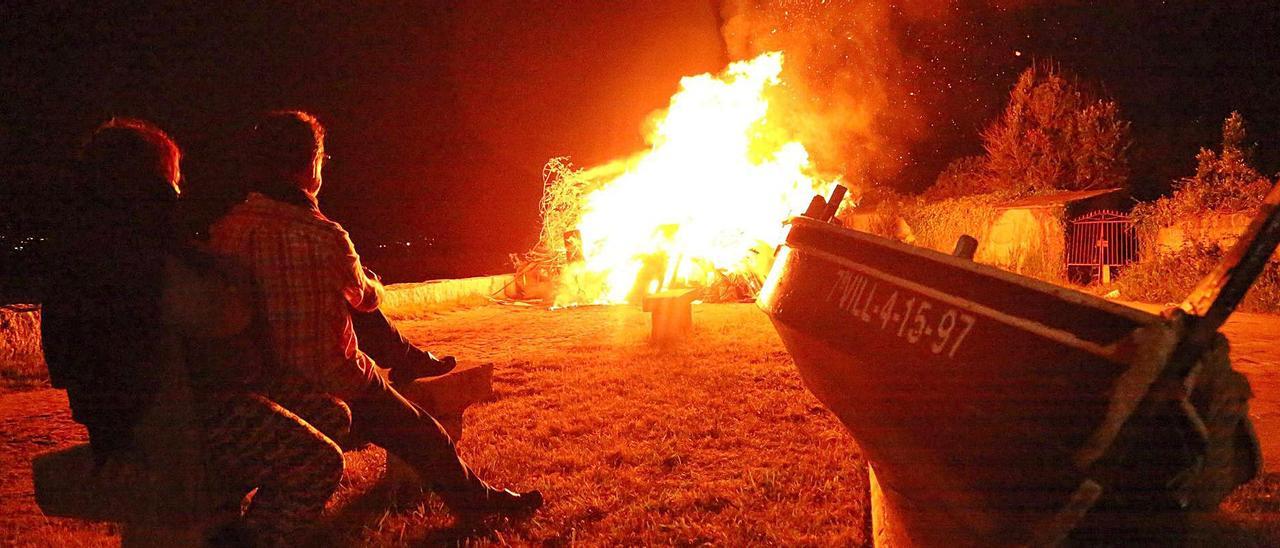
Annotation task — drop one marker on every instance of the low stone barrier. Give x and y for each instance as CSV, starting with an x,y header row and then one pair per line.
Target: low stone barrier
x,y
20,336
416,299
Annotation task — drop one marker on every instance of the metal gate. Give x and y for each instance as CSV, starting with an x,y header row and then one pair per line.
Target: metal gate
x,y
1101,239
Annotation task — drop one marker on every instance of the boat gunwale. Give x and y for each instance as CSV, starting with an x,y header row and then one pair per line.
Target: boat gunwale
x,y
1052,333
1070,295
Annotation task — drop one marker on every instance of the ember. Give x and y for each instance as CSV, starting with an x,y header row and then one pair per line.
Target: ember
x,y
703,207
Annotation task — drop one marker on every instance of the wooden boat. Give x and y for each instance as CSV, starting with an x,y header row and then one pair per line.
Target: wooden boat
x,y
998,409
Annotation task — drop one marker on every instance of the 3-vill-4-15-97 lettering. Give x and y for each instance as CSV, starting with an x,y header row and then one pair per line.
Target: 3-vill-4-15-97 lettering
x,y
901,313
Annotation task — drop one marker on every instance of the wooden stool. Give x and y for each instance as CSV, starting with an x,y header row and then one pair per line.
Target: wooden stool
x,y
672,312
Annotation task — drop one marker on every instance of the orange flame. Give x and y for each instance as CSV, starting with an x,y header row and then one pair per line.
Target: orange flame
x,y
708,199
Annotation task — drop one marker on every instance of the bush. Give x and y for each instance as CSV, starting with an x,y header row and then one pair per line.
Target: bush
x,y
964,176
1170,277
937,225
1224,182
1054,136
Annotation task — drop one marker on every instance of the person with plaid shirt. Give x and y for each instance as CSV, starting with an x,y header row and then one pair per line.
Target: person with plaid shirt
x,y
312,283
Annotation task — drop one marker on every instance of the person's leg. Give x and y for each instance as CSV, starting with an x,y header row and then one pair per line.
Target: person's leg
x,y
328,414
382,341
253,442
404,429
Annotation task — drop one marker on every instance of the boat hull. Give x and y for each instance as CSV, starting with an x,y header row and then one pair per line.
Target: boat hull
x,y
987,398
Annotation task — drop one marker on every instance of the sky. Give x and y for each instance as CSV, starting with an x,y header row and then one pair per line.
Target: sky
x,y
441,114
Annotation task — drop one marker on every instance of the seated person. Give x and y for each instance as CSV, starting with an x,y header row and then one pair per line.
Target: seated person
x,y
311,281
126,300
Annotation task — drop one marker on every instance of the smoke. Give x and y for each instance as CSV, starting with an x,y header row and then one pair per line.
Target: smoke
x,y
840,96
861,86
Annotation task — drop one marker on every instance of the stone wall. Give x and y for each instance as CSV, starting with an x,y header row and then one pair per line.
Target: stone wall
x,y
418,299
1028,241
1222,229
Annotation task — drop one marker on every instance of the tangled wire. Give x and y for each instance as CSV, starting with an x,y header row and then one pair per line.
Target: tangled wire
x,y
563,188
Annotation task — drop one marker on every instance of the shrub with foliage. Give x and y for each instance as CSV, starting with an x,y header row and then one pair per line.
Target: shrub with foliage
x,y
1170,277
1055,136
1224,182
965,176
938,224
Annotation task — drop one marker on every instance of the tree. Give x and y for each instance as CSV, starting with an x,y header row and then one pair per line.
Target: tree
x,y
1053,135
964,176
1224,181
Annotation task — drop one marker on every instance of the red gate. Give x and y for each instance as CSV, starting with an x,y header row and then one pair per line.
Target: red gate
x,y
1101,239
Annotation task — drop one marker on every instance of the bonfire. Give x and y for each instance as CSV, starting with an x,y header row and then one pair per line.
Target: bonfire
x,y
704,207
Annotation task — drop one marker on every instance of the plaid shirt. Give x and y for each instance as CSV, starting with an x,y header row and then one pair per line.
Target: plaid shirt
x,y
309,274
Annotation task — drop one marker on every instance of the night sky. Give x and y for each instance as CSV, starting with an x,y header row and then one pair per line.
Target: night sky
x,y
441,114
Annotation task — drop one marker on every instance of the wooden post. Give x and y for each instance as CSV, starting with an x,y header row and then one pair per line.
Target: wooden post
x,y
833,203
817,205
966,247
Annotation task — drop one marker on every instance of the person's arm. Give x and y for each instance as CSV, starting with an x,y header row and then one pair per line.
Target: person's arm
x,y
360,286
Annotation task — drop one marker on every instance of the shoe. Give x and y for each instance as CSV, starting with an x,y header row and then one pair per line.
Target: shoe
x,y
497,502
428,366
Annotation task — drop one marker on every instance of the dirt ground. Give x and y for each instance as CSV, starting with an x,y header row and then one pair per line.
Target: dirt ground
x,y
714,442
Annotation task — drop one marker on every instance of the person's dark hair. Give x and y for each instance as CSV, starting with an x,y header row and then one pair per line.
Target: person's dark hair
x,y
284,144
127,160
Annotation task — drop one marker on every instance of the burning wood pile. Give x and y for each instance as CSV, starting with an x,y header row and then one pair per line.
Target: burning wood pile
x,y
704,207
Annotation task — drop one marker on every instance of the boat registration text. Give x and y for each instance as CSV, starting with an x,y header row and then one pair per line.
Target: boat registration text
x,y
901,313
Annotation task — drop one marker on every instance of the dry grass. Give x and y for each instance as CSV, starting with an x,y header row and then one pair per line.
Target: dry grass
x,y
713,442
716,441
21,360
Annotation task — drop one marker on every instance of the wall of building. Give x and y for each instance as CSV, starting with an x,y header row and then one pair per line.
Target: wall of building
x,y
1028,241
1222,229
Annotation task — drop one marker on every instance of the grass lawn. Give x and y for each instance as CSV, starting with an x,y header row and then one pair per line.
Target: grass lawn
x,y
713,442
